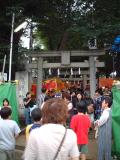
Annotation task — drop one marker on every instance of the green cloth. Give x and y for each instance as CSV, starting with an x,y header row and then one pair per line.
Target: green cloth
x,y
116,121
8,90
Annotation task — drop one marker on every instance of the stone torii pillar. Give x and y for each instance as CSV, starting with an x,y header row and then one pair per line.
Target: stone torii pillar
x,y
92,75
40,75
84,80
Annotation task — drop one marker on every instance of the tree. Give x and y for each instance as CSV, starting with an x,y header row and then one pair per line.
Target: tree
x,y
6,10
62,25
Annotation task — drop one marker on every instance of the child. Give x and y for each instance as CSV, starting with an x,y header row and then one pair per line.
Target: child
x,y
81,123
104,130
9,130
6,103
36,116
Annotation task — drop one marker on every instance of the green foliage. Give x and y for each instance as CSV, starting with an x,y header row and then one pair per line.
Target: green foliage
x,y
61,24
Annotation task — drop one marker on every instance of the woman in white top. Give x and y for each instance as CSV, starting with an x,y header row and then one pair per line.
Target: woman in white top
x,y
44,142
67,98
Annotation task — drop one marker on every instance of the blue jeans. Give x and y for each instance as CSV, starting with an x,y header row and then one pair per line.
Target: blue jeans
x,y
28,119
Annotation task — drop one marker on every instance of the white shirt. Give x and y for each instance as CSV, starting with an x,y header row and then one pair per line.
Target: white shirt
x,y
41,107
43,143
8,130
104,117
41,99
70,106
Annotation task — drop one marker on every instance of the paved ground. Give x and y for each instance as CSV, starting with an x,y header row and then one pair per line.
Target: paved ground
x,y
91,155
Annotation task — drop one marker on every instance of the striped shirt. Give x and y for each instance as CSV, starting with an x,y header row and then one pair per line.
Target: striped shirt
x,y
40,99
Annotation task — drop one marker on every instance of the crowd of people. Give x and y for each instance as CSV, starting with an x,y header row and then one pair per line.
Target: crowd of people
x,y
58,126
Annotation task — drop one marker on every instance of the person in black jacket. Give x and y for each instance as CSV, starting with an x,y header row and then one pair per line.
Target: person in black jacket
x,y
28,103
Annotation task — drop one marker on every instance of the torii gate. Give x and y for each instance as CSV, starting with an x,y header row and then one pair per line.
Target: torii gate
x,y
65,63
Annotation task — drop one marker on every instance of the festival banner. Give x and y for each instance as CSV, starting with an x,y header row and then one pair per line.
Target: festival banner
x,y
116,120
8,90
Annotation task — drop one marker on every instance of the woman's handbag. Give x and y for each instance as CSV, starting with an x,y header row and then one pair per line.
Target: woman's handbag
x,y
59,148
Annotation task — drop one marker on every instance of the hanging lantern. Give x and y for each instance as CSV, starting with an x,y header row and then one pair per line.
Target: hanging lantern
x,y
50,71
71,71
79,71
58,71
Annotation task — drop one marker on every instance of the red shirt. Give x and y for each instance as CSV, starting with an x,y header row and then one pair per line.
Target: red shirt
x,y
81,124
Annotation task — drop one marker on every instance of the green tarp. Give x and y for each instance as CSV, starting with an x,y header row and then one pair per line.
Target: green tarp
x,y
116,120
8,90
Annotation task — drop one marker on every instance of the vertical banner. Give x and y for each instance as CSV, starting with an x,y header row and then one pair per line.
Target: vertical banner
x,y
8,90
116,121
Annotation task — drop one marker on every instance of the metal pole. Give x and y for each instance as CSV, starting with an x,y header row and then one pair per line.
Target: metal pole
x,y
11,46
31,38
3,67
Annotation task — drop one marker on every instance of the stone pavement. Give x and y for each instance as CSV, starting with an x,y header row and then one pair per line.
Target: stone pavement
x,y
92,155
